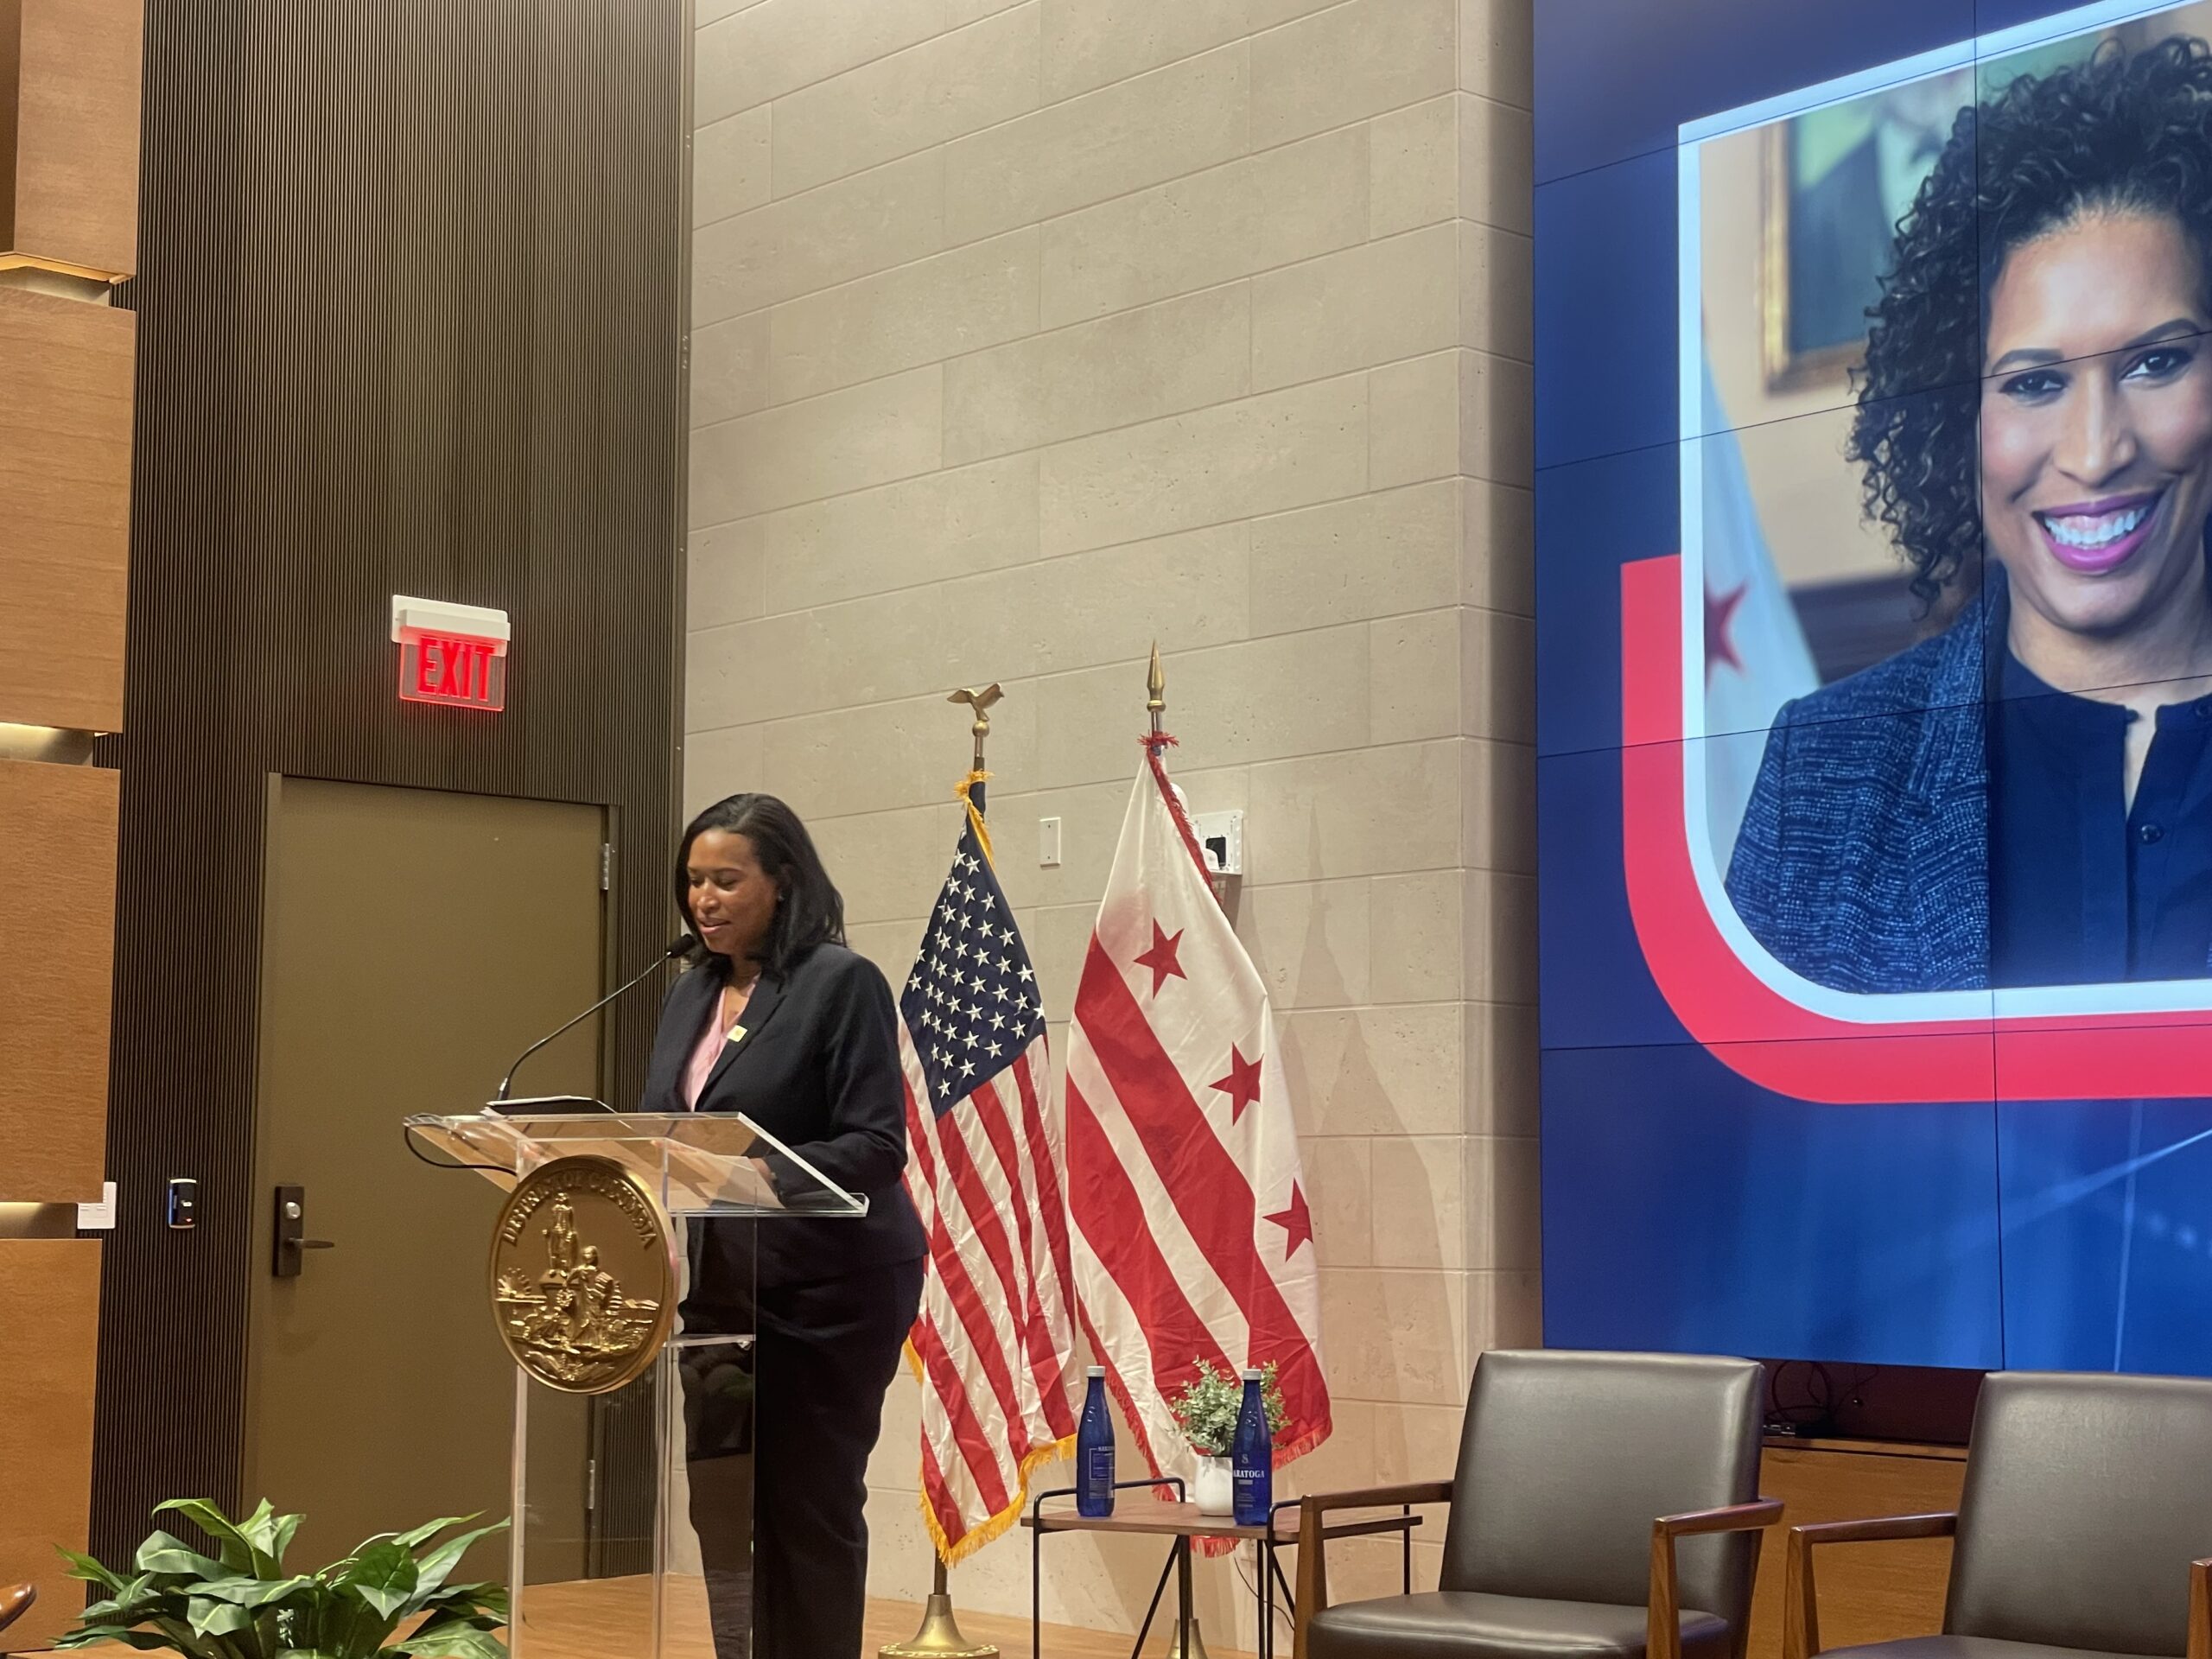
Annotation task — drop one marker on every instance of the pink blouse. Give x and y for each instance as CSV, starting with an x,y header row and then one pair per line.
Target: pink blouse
x,y
704,1054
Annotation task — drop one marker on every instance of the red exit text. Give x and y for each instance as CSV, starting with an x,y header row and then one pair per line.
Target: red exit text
x,y
456,669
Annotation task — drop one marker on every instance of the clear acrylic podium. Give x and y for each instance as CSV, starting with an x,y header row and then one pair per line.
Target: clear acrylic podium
x,y
632,1508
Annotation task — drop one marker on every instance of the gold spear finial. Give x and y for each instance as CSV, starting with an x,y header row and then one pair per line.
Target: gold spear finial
x,y
1155,686
980,701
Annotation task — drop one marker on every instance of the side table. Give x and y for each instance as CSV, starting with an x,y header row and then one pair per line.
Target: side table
x,y
1182,1524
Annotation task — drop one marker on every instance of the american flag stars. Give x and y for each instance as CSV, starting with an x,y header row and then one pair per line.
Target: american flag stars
x,y
971,1001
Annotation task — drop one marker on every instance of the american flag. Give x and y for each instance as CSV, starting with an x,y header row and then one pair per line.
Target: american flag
x,y
994,1343
1194,1240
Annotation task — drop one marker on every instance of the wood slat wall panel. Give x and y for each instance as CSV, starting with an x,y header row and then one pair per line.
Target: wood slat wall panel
x,y
76,152
12,55
66,373
57,916
410,309
51,1288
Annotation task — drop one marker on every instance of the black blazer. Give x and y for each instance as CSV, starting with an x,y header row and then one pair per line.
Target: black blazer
x,y
817,1067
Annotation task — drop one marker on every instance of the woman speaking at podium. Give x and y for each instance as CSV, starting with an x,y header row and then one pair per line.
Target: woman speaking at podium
x,y
783,1023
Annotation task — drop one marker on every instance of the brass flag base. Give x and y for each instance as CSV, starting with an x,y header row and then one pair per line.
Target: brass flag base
x,y
1197,1649
939,1636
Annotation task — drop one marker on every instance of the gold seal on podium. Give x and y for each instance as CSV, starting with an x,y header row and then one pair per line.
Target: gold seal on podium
x,y
583,1278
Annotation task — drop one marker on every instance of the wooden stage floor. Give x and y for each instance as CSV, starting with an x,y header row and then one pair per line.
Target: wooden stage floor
x,y
600,1619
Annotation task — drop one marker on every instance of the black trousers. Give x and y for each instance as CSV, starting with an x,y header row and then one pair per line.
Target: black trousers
x,y
787,1570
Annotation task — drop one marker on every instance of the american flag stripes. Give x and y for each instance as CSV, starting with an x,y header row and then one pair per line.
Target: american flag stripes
x,y
994,1343
1193,1237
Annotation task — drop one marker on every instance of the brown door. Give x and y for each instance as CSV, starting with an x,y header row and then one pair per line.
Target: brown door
x,y
414,943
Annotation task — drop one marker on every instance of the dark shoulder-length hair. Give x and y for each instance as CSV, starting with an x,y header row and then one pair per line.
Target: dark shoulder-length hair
x,y
2119,130
809,910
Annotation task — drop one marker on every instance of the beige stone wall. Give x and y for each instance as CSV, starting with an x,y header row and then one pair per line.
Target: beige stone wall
x,y
1025,334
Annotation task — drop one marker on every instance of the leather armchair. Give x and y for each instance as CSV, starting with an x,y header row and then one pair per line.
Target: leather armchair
x,y
14,1601
2082,1529
1606,1507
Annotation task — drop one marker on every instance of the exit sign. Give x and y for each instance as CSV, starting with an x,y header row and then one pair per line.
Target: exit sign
x,y
453,654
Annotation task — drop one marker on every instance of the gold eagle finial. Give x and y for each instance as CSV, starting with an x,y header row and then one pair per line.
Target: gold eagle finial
x,y
979,699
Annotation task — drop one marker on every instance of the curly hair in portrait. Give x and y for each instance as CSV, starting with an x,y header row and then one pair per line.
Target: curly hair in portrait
x,y
2120,130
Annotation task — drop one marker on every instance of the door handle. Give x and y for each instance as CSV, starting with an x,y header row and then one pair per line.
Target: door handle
x,y
292,1243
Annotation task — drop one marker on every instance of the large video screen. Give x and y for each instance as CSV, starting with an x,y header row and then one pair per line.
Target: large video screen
x,y
1874,474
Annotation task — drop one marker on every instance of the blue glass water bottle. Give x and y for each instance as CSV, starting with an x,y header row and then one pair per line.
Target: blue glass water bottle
x,y
1252,1459
1094,1451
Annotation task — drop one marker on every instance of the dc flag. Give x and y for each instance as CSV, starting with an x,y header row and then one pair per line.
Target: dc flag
x,y
1193,1237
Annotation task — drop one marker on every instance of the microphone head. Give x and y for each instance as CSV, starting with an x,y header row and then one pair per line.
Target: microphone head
x,y
684,949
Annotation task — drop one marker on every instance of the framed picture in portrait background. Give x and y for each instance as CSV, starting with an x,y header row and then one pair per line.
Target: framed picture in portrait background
x,y
1835,180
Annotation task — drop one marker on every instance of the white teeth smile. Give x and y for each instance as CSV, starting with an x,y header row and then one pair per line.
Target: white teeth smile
x,y
2101,529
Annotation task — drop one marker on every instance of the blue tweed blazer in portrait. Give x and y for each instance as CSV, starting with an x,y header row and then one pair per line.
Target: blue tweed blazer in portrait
x,y
1863,862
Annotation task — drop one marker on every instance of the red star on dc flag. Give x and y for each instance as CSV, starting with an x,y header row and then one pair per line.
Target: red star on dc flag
x,y
1296,1222
1719,615
1242,1085
1161,959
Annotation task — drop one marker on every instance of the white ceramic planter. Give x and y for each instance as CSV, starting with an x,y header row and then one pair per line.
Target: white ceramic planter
x,y
1215,1493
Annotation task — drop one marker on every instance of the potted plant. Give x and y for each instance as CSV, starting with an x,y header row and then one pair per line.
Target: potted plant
x,y
1206,1413
392,1595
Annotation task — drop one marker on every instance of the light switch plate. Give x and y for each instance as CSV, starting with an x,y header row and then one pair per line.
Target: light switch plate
x,y
98,1217
1048,842
1221,839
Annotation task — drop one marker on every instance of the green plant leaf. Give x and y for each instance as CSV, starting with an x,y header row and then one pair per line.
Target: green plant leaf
x,y
212,1617
281,1536
101,1636
85,1568
383,1575
186,1640
132,1603
255,1592
237,1550
429,1530
268,1534
162,1552
451,1639
435,1568
487,1599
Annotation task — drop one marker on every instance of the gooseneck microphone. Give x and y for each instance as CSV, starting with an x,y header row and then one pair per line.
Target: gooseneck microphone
x,y
683,948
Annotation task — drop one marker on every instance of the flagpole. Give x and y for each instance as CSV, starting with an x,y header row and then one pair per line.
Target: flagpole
x,y
980,701
1155,686
940,1636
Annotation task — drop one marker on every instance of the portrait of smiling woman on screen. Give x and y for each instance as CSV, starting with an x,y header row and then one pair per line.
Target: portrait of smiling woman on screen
x,y
2024,798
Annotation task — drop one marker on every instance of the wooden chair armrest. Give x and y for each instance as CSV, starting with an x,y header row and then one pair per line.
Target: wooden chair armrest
x,y
2200,1610
14,1601
1312,1559
1735,1517
1877,1529
1368,1498
1662,1634
1801,1616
